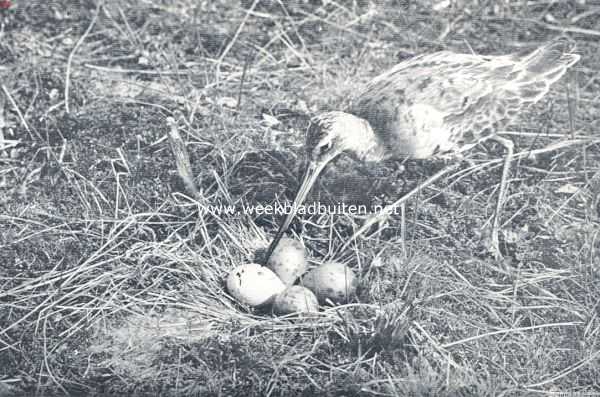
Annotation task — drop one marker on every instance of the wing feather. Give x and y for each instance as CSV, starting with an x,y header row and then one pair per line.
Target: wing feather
x,y
471,96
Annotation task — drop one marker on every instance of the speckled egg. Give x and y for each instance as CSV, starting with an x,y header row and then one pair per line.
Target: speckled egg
x,y
253,284
296,299
331,281
288,260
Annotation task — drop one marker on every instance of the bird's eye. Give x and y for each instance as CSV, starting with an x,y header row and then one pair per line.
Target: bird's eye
x,y
325,147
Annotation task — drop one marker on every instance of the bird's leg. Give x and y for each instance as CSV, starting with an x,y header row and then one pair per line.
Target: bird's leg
x,y
389,209
509,146
399,170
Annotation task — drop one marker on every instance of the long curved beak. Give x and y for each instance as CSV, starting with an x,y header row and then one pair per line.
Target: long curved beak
x,y
311,174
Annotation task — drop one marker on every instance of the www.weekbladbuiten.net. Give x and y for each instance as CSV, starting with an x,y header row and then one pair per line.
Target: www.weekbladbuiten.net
x,y
280,209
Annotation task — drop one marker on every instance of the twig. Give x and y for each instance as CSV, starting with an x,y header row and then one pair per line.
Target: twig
x,y
585,14
182,158
562,29
236,35
509,331
16,108
241,90
139,71
72,54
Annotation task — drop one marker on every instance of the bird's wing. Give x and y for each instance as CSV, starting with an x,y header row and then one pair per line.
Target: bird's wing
x,y
419,108
470,95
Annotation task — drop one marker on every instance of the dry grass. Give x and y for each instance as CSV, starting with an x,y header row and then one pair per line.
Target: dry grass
x,y
111,273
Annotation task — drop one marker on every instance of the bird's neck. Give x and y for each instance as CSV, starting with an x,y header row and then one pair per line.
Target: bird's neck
x,y
366,145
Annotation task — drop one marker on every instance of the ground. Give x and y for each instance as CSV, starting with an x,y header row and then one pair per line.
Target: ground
x,y
112,273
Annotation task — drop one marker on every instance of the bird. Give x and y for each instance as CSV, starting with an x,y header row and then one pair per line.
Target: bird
x,y
434,105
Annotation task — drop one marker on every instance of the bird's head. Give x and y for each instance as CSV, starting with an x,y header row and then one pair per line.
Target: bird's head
x,y
333,133
329,135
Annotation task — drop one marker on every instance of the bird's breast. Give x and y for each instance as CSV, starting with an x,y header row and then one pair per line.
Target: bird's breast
x,y
416,131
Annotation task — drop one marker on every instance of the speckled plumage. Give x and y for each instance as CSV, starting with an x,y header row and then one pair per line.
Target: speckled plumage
x,y
433,105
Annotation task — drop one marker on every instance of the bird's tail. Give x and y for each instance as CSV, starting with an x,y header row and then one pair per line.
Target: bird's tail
x,y
551,60
542,68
